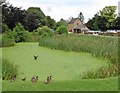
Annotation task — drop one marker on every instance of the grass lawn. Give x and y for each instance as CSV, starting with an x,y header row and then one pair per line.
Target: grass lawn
x,y
109,84
65,68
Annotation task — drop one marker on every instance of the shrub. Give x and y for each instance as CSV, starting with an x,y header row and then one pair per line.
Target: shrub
x,y
61,30
8,69
5,28
7,40
45,31
20,34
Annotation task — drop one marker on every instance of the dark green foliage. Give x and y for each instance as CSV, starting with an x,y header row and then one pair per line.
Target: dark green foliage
x,y
97,23
61,30
50,22
7,40
12,15
34,18
5,28
20,34
45,31
8,69
81,17
116,23
62,22
103,20
102,72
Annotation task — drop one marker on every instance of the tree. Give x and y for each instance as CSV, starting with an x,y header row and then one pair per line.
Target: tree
x,y
45,31
12,15
62,30
81,17
116,23
31,22
20,34
50,22
62,22
34,18
103,20
109,14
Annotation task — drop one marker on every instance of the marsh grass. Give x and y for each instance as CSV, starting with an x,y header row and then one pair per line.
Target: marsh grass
x,y
98,46
102,72
8,69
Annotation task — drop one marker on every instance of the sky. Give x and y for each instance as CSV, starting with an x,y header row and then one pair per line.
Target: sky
x,y
65,9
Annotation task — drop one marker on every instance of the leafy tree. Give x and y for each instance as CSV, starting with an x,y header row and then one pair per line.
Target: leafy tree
x,y
31,22
103,20
90,23
12,15
81,17
116,23
34,18
62,30
20,34
62,22
109,14
50,22
45,31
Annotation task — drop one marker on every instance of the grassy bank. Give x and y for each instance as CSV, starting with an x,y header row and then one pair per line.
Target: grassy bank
x,y
109,84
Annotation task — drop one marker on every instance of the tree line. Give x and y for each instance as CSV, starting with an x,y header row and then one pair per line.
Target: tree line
x,y
105,19
31,19
34,17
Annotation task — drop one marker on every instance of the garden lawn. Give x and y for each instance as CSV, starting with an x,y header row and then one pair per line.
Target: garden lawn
x,y
108,84
66,69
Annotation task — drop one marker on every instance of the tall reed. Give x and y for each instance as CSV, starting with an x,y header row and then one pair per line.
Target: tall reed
x,y
9,69
98,46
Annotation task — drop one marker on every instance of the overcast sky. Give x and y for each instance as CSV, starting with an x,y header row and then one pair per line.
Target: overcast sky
x,y
58,9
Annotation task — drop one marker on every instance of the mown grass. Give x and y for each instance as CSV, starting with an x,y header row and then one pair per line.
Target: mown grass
x,y
108,84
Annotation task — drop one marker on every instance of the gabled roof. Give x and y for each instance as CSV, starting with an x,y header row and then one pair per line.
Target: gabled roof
x,y
73,20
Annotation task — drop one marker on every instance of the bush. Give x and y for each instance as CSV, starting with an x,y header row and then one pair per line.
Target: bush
x,y
61,30
20,34
7,40
9,70
5,28
45,31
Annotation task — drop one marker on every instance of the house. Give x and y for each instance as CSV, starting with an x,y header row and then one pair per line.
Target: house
x,y
76,26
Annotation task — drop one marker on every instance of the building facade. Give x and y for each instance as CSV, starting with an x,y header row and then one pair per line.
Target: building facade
x,y
76,26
